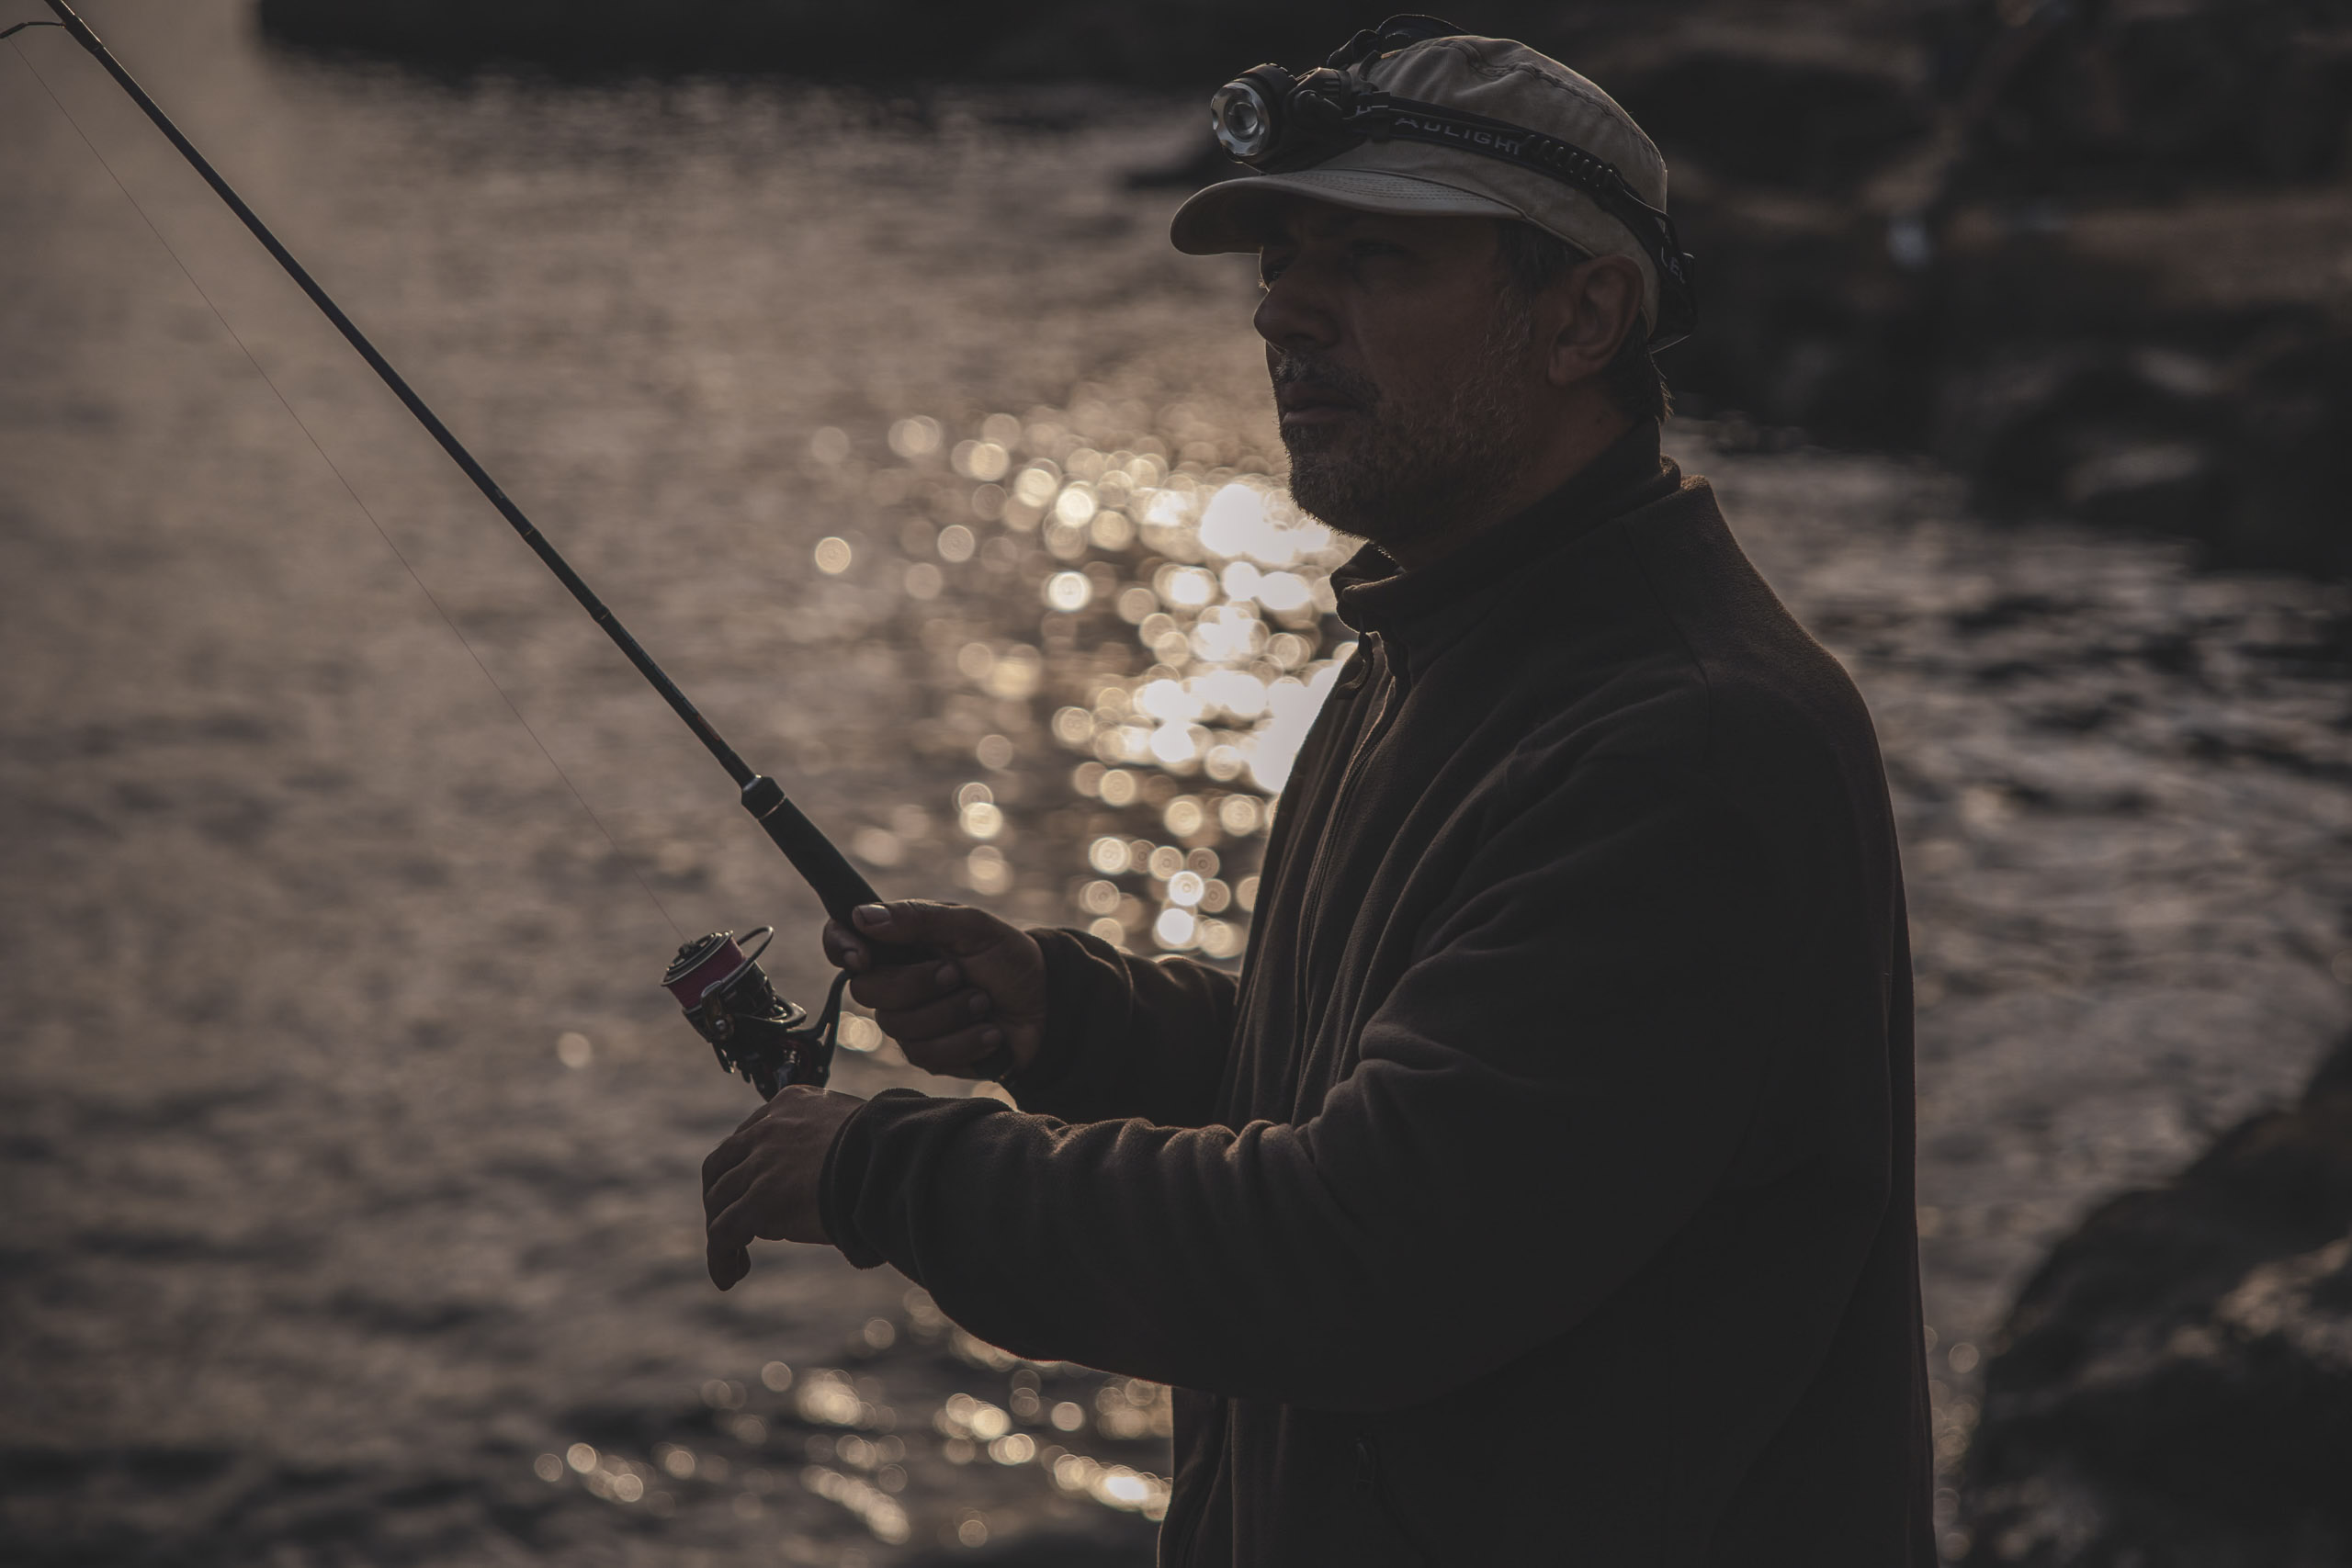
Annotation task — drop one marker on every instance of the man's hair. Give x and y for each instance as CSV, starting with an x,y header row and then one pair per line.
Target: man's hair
x,y
1533,260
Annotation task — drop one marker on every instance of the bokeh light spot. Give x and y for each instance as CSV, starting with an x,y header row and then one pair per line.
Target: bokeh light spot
x,y
980,460
1036,485
986,869
1068,592
915,437
1174,929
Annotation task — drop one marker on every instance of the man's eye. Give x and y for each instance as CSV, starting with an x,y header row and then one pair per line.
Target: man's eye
x,y
1271,268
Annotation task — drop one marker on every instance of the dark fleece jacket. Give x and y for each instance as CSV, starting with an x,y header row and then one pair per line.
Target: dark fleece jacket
x,y
1543,1191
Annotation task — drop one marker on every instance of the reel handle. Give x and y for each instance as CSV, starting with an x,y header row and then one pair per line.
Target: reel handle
x,y
839,886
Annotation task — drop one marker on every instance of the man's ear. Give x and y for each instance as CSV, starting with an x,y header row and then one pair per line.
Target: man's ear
x,y
1595,304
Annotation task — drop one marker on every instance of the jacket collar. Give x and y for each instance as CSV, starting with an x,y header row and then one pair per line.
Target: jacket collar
x,y
1420,611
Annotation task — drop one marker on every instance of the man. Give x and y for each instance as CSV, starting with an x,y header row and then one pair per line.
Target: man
x,y
1542,1191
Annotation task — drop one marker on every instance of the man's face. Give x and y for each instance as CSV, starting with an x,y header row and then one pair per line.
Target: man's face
x,y
1404,368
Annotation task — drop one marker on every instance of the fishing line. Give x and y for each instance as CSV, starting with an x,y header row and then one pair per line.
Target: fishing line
x,y
440,609
839,886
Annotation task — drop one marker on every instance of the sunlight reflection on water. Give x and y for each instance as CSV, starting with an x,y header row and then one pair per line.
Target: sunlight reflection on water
x,y
1187,643
834,1433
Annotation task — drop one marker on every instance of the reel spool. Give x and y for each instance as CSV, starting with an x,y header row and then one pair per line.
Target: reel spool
x,y
753,1031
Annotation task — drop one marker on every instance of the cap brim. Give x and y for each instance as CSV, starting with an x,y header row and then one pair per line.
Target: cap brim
x,y
1229,216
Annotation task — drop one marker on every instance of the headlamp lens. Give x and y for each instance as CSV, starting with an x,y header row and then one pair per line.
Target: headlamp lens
x,y
1242,119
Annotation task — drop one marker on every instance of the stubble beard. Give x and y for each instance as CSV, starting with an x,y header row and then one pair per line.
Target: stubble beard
x,y
1402,470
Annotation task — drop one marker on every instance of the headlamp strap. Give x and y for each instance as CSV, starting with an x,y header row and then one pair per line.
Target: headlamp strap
x,y
1396,32
1378,117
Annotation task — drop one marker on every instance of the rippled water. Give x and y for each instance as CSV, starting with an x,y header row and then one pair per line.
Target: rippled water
x,y
351,1149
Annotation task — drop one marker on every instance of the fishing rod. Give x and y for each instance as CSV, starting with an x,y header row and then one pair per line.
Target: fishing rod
x,y
727,997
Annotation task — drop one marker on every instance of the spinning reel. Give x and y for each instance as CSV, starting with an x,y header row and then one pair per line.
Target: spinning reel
x,y
753,1031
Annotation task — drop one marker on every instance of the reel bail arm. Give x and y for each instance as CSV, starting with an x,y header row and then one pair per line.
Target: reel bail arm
x,y
753,1031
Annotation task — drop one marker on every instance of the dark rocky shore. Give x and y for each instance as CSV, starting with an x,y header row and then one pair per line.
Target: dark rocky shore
x,y
2174,1387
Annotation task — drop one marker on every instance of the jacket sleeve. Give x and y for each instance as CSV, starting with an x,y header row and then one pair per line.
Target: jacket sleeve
x,y
1127,1036
1547,1094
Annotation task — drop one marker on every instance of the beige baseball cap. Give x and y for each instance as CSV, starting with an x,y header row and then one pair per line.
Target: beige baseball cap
x,y
1499,79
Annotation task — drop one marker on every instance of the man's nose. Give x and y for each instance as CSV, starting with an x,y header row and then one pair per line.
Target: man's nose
x,y
1295,315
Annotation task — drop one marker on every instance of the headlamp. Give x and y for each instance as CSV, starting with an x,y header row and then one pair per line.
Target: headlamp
x,y
1278,123
1243,114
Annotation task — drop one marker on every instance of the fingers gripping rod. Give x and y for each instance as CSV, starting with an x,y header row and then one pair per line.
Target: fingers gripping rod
x,y
838,884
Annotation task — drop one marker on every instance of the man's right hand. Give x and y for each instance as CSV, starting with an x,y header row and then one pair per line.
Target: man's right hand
x,y
985,991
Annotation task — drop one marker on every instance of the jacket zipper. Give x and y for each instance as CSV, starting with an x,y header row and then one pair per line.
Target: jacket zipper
x,y
1368,1457
1176,1535
1311,914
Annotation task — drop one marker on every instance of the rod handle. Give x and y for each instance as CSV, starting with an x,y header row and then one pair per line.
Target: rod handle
x,y
839,886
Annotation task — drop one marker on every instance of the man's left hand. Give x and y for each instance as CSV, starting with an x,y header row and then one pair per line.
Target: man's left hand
x,y
763,1180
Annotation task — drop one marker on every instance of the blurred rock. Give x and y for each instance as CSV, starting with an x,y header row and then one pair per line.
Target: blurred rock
x,y
2139,100
2174,1388
1998,232
1813,101
2242,451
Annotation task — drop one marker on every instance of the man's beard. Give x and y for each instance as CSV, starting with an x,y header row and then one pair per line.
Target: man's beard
x,y
1395,472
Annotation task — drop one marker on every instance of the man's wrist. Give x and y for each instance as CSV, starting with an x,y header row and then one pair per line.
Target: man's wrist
x,y
860,1155
1061,1041
837,1182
